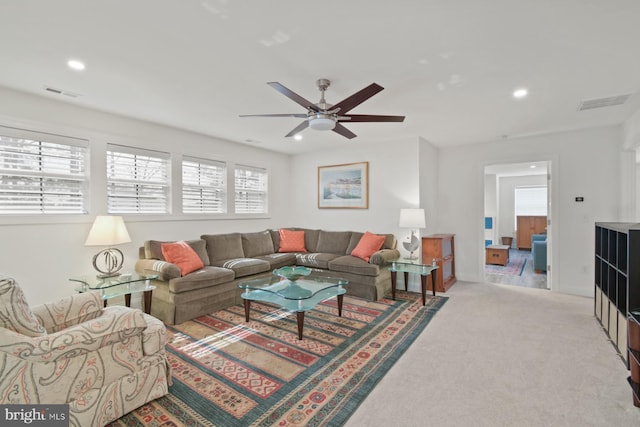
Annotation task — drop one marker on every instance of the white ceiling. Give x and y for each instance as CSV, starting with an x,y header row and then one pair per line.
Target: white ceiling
x,y
448,66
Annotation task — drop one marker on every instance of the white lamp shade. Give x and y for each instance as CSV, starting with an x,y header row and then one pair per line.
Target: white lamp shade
x,y
107,230
412,218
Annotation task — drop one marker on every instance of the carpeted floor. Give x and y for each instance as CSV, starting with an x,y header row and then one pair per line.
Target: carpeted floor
x,y
230,373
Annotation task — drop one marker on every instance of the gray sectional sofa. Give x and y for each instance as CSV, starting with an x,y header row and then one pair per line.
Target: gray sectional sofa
x,y
234,257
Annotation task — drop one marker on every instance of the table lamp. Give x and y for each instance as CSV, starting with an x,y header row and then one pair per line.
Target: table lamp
x,y
413,219
108,230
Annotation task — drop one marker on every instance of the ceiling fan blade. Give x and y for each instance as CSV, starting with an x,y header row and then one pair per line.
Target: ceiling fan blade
x,y
300,115
369,118
357,98
302,126
344,131
294,96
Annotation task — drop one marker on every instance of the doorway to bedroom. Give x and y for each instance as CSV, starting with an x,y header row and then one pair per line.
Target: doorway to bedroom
x,y
516,224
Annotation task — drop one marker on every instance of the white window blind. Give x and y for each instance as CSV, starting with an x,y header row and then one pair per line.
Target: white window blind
x,y
137,180
204,186
42,173
250,190
530,201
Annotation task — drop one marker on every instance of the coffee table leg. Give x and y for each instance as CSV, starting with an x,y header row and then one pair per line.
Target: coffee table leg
x,y
340,305
127,300
406,280
147,301
300,316
423,282
247,307
393,285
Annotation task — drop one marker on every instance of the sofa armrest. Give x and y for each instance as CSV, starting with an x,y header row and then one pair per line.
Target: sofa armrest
x,y
69,311
165,270
383,256
115,325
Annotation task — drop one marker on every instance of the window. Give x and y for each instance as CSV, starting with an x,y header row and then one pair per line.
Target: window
x,y
530,201
204,186
137,180
42,173
250,190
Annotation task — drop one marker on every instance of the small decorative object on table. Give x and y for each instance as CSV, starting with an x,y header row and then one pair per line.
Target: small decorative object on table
x,y
292,273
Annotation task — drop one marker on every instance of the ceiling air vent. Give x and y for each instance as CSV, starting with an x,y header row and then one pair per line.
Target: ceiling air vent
x,y
609,101
61,92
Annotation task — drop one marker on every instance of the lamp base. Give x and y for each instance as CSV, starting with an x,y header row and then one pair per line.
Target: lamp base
x,y
108,262
107,275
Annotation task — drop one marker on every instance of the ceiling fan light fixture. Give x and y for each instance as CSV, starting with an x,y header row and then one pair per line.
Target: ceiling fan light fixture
x,y
322,122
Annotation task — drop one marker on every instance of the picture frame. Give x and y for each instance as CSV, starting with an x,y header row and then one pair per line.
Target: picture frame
x,y
343,186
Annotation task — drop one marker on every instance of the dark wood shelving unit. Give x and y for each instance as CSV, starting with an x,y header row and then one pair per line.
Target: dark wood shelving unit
x,y
617,280
617,292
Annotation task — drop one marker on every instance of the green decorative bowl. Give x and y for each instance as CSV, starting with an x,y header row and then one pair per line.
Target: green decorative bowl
x,y
292,273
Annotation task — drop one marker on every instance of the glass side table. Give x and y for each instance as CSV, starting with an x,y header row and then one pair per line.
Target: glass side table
x,y
112,287
406,266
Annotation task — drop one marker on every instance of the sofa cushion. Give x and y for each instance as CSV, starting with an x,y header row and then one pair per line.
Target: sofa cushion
x,y
310,238
292,241
182,255
203,278
153,249
244,266
223,246
389,241
279,259
351,264
315,260
255,244
15,313
333,242
369,244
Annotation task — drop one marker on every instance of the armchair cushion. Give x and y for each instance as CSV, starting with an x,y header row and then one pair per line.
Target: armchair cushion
x,y
15,314
69,311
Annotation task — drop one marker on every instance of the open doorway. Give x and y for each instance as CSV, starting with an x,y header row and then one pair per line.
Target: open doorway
x,y
517,221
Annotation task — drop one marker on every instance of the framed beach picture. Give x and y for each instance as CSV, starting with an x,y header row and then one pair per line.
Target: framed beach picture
x,y
343,186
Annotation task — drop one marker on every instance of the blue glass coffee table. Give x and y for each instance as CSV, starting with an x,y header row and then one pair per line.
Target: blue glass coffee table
x,y
298,295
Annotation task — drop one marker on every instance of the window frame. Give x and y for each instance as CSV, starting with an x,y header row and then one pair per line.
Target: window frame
x,y
146,155
49,141
265,190
222,188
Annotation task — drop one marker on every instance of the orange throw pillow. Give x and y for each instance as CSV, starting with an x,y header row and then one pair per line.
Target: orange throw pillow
x,y
182,255
368,245
292,241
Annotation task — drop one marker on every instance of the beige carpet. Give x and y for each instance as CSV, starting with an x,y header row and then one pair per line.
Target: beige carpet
x,y
499,355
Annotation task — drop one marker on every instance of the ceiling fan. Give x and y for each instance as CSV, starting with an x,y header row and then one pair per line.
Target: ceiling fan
x,y
324,116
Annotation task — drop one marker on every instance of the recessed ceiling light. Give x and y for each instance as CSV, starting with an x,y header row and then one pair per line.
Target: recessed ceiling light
x,y
520,93
76,65
532,166
297,137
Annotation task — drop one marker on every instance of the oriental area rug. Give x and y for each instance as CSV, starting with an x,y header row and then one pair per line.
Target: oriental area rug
x,y
514,267
227,372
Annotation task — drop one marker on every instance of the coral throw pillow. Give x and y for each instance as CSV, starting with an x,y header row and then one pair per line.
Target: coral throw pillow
x,y
292,241
182,255
368,245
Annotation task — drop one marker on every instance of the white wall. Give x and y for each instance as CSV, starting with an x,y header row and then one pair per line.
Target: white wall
x,y
584,163
402,174
42,253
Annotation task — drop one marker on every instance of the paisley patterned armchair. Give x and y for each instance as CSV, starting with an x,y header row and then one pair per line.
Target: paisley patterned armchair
x,y
103,362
